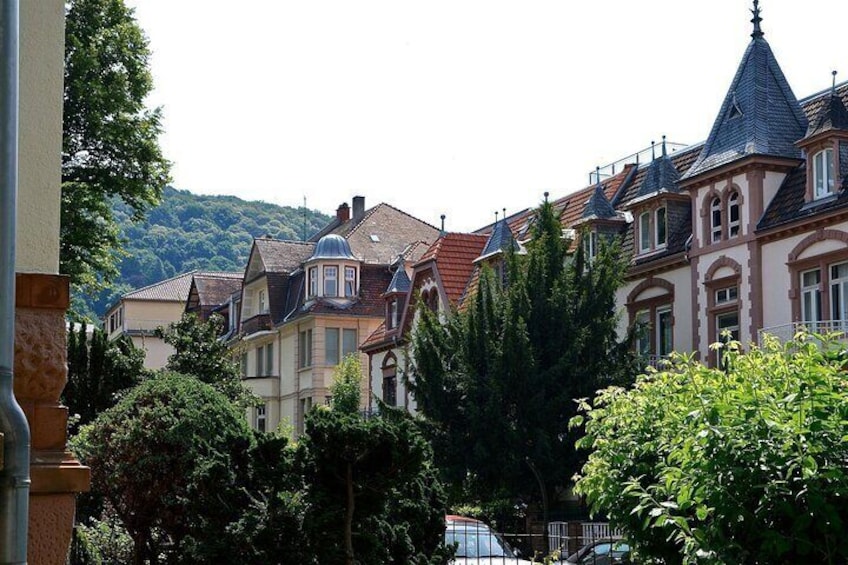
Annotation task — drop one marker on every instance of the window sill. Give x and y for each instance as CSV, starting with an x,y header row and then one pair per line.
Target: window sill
x,y
816,202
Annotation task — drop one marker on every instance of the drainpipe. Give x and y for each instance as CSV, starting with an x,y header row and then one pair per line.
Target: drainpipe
x,y
14,470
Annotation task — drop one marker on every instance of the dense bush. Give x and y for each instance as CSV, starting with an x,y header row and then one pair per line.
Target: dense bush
x,y
748,464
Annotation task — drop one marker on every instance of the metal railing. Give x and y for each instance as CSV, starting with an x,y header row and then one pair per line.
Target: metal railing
x,y
787,332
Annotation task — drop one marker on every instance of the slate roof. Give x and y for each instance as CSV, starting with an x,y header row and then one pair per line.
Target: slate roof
x,y
830,116
174,289
400,281
598,205
282,256
789,203
499,240
383,233
681,161
661,174
759,115
373,281
454,255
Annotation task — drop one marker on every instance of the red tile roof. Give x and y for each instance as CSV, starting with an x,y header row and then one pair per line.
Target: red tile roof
x,y
454,254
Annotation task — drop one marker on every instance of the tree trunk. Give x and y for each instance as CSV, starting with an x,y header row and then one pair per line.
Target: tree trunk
x,y
544,492
348,529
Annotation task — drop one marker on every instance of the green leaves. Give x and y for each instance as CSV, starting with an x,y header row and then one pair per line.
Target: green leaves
x,y
747,465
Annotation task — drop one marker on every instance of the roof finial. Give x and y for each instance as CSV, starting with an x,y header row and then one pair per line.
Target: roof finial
x,y
663,147
504,213
598,175
546,196
653,151
833,88
496,216
757,33
443,225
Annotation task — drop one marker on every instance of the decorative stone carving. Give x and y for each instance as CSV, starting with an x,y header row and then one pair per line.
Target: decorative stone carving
x,y
40,353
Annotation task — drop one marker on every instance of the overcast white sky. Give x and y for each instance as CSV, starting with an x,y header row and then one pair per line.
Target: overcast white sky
x,y
451,106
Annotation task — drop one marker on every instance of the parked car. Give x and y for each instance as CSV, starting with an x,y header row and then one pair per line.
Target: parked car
x,y
477,544
602,552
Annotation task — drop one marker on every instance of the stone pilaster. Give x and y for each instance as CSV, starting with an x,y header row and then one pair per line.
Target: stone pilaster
x,y
41,372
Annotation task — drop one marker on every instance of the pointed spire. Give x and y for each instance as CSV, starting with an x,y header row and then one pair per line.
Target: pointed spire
x,y
598,206
499,240
758,32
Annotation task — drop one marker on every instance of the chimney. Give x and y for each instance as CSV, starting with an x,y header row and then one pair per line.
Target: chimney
x,y
343,212
358,207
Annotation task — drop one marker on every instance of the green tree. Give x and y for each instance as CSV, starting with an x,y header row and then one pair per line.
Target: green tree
x,y
373,495
741,465
110,146
199,352
98,371
171,458
497,381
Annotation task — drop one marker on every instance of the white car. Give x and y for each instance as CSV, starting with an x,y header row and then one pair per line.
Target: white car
x,y
477,544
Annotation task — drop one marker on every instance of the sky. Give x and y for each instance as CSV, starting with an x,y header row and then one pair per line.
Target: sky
x,y
455,107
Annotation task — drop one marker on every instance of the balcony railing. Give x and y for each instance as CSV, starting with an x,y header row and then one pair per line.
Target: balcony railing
x,y
258,323
786,332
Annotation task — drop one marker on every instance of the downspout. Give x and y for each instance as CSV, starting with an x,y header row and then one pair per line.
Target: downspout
x,y
14,471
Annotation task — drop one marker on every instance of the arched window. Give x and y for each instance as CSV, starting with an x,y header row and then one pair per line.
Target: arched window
x,y
390,380
823,180
733,214
715,219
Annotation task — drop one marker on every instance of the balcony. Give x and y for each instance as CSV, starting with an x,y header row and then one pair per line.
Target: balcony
x,y
258,323
786,332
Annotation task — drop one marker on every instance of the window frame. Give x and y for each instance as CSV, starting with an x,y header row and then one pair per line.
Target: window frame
x,y
260,418
350,282
304,357
664,224
331,278
824,176
715,215
312,273
734,227
645,232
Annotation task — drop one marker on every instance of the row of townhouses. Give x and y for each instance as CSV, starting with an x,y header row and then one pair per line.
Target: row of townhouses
x,y
746,232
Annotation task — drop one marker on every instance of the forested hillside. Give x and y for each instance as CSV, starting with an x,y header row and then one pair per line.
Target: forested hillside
x,y
189,231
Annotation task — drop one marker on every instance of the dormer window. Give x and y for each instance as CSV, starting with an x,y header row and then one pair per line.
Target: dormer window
x,y
661,229
715,219
392,314
645,232
331,281
313,281
263,305
733,214
823,177
350,282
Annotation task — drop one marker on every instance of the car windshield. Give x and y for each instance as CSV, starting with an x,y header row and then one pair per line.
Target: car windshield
x,y
475,541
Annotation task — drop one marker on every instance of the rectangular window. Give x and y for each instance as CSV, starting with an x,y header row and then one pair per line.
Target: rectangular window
x,y
269,359
263,306
811,299
664,332
313,281
350,282
839,295
661,227
390,389
727,321
715,219
733,210
260,418
823,173
729,294
643,341
260,361
349,344
331,281
305,349
644,232
393,313
331,346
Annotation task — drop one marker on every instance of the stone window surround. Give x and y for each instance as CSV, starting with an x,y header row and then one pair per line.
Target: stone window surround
x,y
652,227
723,196
811,151
652,305
711,285
821,262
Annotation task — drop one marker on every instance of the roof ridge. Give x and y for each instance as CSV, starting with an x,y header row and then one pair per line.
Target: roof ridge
x,y
368,213
822,93
162,282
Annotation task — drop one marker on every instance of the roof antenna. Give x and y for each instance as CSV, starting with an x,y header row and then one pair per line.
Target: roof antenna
x,y
757,33
443,225
664,154
653,151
